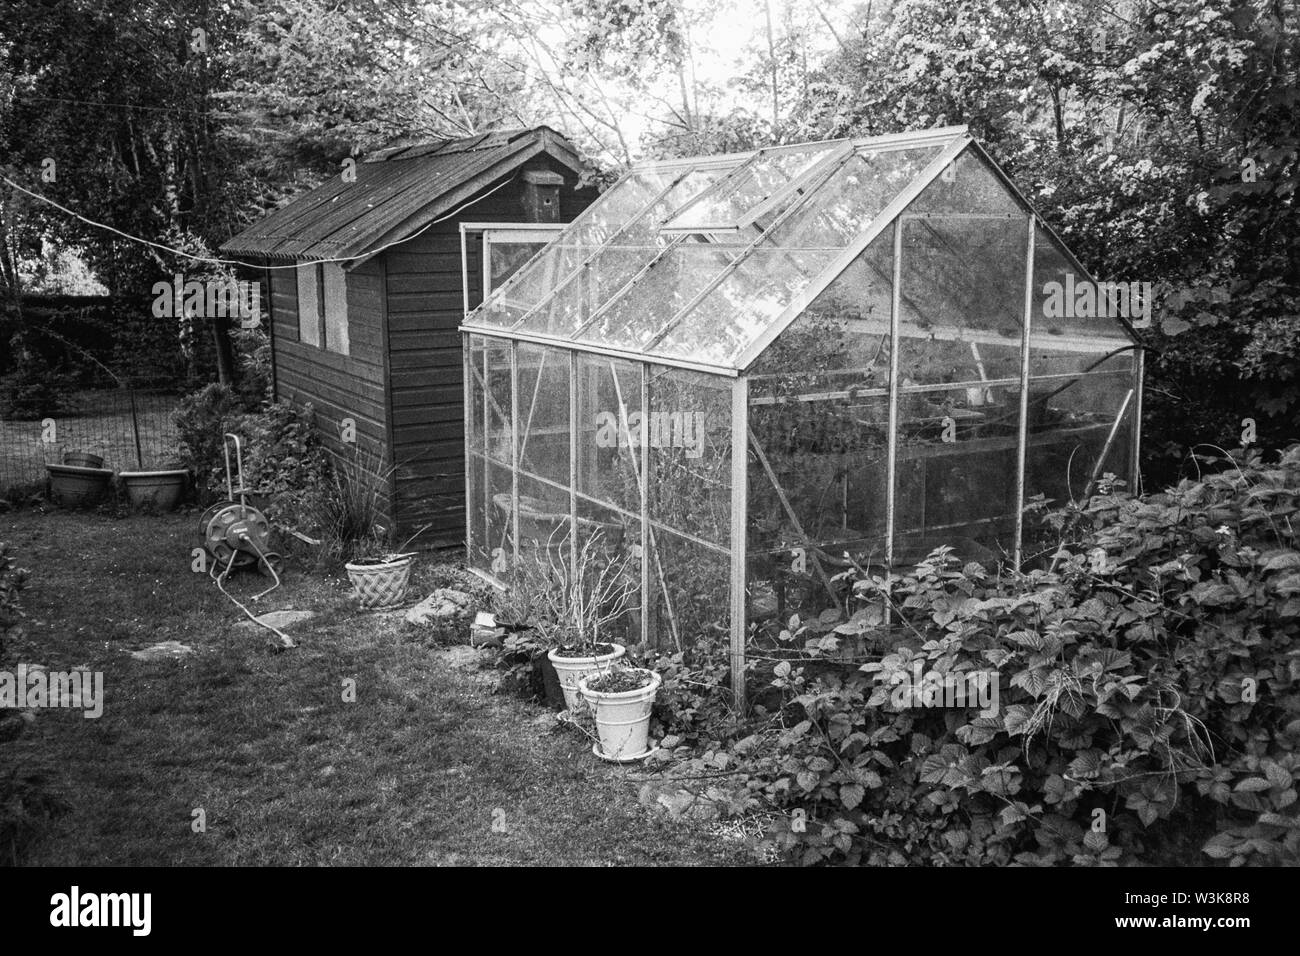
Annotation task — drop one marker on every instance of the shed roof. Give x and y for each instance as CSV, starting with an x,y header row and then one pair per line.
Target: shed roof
x,y
397,190
702,262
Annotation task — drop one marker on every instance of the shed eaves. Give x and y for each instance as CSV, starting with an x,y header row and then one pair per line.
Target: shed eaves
x,y
399,187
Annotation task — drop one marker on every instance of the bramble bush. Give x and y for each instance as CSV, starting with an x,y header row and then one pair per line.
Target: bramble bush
x,y
201,420
284,461
1147,689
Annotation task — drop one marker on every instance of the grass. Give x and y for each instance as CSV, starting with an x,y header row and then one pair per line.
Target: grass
x,y
102,427
416,771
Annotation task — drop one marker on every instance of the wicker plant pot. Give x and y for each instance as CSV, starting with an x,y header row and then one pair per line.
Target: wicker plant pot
x,y
380,583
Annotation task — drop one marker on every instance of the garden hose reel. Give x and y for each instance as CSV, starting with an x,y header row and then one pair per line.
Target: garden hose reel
x,y
235,533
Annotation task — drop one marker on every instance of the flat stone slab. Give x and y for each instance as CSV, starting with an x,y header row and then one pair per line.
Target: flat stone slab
x,y
461,656
164,651
443,604
280,619
678,803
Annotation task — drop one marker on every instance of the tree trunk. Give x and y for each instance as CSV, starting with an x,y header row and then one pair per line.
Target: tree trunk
x,y
225,351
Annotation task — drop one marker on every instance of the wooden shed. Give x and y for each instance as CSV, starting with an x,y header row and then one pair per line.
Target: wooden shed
x,y
367,278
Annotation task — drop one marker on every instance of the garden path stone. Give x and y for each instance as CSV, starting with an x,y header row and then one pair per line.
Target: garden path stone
x,y
165,650
443,604
279,619
470,661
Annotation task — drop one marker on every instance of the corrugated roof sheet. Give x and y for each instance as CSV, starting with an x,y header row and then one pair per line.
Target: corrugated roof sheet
x,y
396,191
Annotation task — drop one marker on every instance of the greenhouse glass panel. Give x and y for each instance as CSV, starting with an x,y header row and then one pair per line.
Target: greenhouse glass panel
x,y
956,477
723,206
544,414
496,373
1082,366
691,592
499,543
688,500
818,472
842,338
609,547
963,295
1067,303
968,185
475,454
574,300
596,225
797,247
679,274
609,413
689,435
543,522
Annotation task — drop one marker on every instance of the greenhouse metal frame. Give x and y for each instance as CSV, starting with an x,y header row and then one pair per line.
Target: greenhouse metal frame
x,y
748,373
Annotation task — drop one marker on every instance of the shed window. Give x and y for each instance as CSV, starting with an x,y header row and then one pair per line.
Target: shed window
x,y
308,304
335,308
323,306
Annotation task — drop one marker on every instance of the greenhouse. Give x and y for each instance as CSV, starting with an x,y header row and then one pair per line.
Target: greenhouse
x,y
739,376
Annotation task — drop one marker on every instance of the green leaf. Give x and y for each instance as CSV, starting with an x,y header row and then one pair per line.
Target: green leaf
x,y
1284,561
852,794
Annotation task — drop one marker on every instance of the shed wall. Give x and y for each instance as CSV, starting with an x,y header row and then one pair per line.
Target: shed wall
x,y
337,386
425,302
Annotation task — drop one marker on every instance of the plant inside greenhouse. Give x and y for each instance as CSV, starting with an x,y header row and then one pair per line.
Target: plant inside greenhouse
x,y
743,375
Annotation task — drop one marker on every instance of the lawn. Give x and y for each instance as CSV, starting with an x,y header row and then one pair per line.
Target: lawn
x,y
428,766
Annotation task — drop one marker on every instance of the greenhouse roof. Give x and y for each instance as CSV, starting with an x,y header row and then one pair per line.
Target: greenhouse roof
x,y
702,262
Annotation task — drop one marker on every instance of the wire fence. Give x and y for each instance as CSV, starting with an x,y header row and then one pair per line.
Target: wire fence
x,y
128,429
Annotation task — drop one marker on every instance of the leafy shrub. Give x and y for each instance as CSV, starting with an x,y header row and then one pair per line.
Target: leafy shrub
x,y
346,508
253,356
284,461
202,418
555,606
1147,692
694,704
285,464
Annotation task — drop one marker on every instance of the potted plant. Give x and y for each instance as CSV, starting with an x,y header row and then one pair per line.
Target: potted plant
x,y
570,608
582,606
621,699
379,577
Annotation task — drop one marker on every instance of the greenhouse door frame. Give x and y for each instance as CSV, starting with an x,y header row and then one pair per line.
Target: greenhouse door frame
x,y
739,392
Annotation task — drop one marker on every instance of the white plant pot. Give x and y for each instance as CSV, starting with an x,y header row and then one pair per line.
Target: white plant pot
x,y
622,719
570,670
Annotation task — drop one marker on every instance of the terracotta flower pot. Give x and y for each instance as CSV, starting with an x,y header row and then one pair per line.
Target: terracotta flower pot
x,y
622,717
571,670
75,487
83,459
155,490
